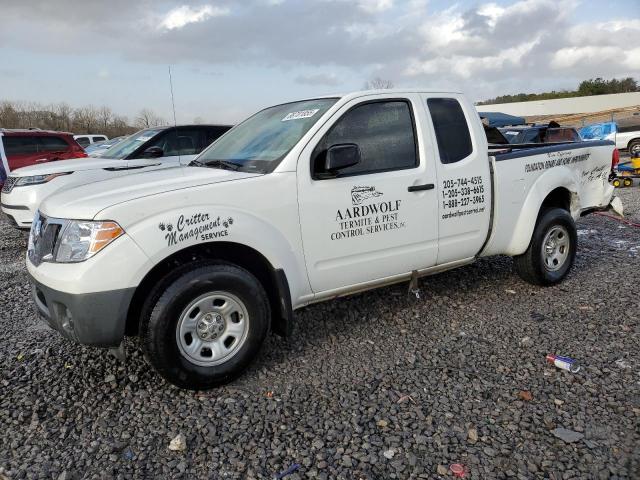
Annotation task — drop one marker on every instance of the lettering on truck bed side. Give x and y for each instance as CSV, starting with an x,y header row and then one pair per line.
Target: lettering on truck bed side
x,y
556,159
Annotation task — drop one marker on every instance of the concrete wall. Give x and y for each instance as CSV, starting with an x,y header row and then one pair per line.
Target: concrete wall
x,y
566,106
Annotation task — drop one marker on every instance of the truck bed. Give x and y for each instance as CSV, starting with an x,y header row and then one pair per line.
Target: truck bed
x,y
524,175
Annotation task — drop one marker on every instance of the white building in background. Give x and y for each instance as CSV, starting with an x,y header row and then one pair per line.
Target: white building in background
x,y
566,106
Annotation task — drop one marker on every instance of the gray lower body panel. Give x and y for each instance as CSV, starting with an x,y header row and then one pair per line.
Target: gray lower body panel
x,y
96,319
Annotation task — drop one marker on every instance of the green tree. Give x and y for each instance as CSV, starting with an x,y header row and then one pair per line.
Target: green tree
x,y
593,86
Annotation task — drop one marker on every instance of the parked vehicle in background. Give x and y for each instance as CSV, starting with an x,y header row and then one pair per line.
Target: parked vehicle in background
x,y
150,149
98,148
22,148
628,138
303,202
87,139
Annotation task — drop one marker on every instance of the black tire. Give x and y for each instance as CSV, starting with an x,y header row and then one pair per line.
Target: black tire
x,y
166,305
531,266
633,146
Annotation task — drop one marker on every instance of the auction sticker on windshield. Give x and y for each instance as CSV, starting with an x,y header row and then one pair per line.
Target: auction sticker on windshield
x,y
300,114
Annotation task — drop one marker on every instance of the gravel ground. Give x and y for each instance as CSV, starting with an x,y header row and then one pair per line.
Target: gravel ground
x,y
377,386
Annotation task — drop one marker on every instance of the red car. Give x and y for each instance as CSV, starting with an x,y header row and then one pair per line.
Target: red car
x,y
21,148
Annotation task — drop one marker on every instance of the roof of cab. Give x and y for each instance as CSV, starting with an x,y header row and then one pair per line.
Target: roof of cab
x,y
392,91
30,131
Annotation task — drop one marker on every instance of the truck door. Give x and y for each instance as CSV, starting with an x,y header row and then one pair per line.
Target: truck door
x,y
464,178
375,219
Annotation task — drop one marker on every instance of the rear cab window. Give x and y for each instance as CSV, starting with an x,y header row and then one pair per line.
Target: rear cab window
x,y
451,129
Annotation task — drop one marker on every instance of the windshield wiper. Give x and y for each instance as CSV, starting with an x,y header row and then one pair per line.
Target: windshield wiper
x,y
225,164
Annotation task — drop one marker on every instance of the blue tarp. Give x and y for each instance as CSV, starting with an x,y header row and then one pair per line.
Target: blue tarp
x,y
498,119
598,131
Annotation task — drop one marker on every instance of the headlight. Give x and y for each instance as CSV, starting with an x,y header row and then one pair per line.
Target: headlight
x,y
38,179
81,240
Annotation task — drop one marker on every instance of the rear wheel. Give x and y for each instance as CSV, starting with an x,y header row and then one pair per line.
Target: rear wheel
x,y
634,146
616,182
206,326
627,182
552,250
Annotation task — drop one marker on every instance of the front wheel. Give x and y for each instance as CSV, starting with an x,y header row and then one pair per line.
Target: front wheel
x,y
552,250
206,326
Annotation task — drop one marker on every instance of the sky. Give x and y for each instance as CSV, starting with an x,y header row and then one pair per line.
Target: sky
x,y
229,59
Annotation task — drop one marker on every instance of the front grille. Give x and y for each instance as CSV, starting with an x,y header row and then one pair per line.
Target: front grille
x,y
9,183
43,238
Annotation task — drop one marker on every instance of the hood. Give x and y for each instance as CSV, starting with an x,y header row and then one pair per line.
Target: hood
x,y
74,165
86,201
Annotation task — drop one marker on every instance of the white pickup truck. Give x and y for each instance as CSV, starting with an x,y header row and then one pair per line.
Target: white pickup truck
x,y
628,139
303,202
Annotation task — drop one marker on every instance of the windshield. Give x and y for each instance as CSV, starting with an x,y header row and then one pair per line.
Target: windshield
x,y
128,146
260,142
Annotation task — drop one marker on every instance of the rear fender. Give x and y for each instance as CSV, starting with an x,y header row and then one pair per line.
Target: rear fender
x,y
559,177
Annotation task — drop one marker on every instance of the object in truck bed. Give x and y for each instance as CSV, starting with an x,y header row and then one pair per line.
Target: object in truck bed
x,y
599,131
540,134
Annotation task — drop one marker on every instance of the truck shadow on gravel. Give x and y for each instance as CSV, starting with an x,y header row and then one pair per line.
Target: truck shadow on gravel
x,y
373,313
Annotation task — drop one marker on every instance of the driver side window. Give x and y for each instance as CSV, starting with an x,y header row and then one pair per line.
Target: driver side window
x,y
384,132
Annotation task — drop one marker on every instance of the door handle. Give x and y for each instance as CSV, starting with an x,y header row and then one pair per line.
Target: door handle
x,y
419,188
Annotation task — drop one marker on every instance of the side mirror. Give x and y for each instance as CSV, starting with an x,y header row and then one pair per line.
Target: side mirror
x,y
342,156
153,152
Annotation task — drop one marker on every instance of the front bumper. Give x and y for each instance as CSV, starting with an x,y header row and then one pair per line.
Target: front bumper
x,y
96,319
20,215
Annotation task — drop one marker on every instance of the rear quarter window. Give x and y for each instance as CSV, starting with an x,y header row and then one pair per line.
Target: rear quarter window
x,y
53,144
451,129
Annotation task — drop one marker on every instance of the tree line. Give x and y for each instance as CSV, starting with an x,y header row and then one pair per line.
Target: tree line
x,y
593,86
63,117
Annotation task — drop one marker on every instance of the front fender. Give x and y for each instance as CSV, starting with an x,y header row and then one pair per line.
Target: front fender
x,y
164,234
